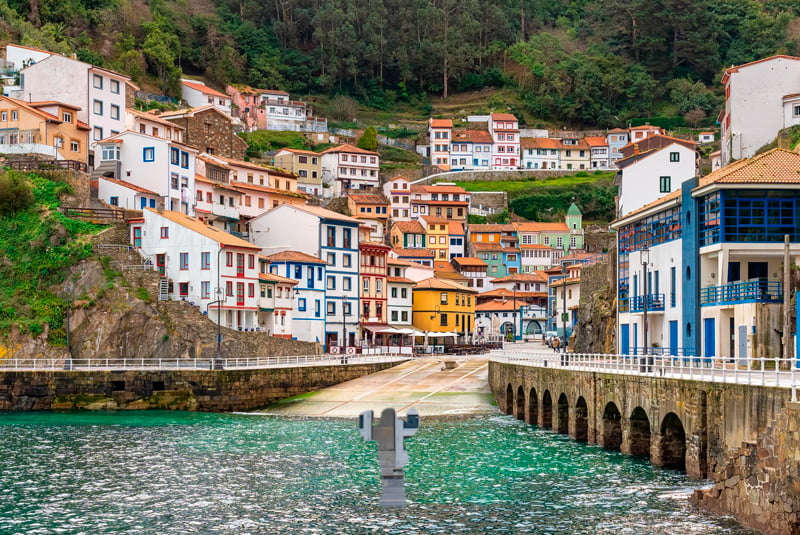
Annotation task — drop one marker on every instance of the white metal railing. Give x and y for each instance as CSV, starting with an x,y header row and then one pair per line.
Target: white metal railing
x,y
773,372
227,363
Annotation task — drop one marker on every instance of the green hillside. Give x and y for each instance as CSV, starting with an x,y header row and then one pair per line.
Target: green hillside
x,y
552,62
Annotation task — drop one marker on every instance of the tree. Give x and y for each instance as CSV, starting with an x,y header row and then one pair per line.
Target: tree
x,y
159,51
369,139
694,117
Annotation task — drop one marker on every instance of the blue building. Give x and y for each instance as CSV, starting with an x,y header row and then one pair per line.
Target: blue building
x,y
706,262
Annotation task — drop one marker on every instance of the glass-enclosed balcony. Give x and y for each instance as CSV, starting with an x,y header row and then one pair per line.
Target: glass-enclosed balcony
x,y
751,291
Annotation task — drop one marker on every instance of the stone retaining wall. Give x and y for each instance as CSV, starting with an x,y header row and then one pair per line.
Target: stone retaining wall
x,y
194,390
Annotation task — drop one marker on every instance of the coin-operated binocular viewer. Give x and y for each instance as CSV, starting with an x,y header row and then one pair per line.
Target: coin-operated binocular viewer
x,y
390,433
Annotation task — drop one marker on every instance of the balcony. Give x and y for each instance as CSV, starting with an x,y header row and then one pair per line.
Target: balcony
x,y
655,303
751,291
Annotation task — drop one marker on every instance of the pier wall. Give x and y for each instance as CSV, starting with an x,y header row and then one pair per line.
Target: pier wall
x,y
197,390
745,438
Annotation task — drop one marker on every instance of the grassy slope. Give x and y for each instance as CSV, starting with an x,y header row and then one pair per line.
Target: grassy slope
x,y
532,185
37,245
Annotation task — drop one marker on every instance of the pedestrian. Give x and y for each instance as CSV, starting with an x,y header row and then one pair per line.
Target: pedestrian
x,y
556,343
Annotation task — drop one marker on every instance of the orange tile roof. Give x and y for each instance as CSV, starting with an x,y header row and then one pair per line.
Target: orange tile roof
x,y
646,127
539,143
193,224
465,261
346,147
441,284
535,246
433,220
579,144
272,277
298,151
128,185
658,141
437,188
441,123
400,280
500,304
777,166
409,227
472,136
204,89
294,256
399,262
414,253
443,265
488,246
153,117
596,141
368,198
491,227
454,227
40,103
536,276
504,292
504,117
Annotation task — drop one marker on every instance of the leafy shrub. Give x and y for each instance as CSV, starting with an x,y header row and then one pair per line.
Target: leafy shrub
x,y
15,193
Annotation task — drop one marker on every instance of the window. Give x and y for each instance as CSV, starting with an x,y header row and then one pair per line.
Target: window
x,y
346,238
149,154
394,315
205,260
664,184
97,133
331,283
331,236
404,315
346,284
394,292
75,146
378,286
97,107
301,304
229,288
164,233
404,293
205,290
331,259
173,181
184,261
365,284
674,156
114,111
97,81
346,260
229,259
67,117
796,110
185,160
14,115
113,201
3,116
331,308
174,156
114,86
443,320
443,298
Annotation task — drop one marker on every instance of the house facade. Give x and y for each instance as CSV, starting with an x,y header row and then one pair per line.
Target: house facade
x,y
440,133
306,165
210,130
398,191
208,268
276,302
471,150
504,128
197,95
444,309
760,99
50,129
443,200
346,168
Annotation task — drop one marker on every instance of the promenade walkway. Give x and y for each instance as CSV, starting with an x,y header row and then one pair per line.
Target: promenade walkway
x,y
435,386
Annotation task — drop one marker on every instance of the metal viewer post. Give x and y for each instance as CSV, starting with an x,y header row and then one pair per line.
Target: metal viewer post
x,y
390,433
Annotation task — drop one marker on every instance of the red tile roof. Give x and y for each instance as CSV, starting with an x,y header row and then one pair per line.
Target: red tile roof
x,y
204,89
193,224
504,117
441,123
346,147
414,253
465,261
777,166
596,141
128,185
409,227
472,136
294,256
440,284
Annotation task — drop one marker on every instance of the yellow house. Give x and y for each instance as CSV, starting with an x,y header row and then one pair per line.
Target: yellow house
x,y
443,306
437,236
49,128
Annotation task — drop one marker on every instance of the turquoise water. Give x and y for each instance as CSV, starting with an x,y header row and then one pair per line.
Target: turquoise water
x,y
181,473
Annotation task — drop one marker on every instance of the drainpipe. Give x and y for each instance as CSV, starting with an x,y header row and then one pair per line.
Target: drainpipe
x,y
787,300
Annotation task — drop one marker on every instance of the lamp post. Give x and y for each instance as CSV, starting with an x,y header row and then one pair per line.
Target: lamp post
x,y
217,364
68,361
645,259
344,324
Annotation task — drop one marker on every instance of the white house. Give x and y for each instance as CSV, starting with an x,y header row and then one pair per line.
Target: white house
x,y
705,137
276,303
346,168
398,191
153,125
308,294
616,138
654,172
440,131
504,128
216,203
328,236
19,56
540,153
759,101
100,93
197,94
471,150
599,152
201,265
161,166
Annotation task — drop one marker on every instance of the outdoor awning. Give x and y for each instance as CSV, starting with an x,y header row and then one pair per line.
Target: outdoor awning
x,y
442,335
379,329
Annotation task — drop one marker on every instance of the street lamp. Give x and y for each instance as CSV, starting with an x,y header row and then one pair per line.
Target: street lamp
x,y
217,364
564,358
644,256
344,324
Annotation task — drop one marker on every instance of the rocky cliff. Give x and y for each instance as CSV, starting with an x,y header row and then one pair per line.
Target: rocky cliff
x,y
596,327
115,314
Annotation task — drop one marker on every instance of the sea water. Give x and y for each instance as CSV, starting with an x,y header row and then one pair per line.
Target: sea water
x,y
179,472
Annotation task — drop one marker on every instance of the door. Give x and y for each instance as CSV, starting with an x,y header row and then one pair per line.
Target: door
x,y
240,294
142,203
709,340
624,339
239,265
635,337
161,264
137,237
673,337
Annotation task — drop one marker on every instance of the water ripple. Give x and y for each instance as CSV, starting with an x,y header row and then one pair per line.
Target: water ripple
x,y
184,473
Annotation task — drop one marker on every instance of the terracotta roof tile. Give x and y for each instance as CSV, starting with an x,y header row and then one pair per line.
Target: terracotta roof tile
x,y
596,141
368,198
346,147
777,166
191,223
504,117
409,227
540,143
441,123
414,253
465,261
472,136
272,277
440,284
294,256
204,89
128,185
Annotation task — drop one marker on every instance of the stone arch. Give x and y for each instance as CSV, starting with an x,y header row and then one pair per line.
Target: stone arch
x,y
563,414
639,433
520,414
547,410
509,405
581,420
612,427
533,407
673,442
